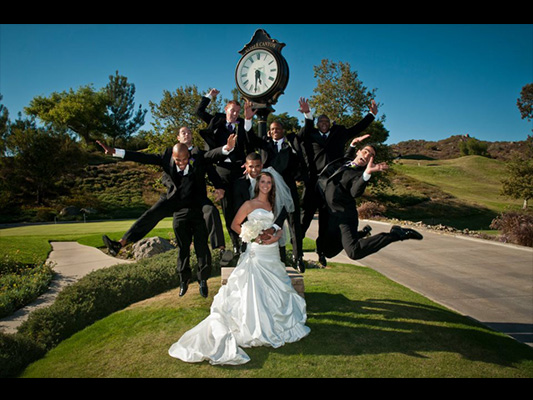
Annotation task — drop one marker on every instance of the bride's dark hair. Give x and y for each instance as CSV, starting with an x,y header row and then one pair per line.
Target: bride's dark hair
x,y
272,194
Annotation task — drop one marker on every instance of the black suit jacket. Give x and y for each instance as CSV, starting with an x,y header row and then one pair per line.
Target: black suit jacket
x,y
339,187
319,152
213,177
186,191
216,134
288,161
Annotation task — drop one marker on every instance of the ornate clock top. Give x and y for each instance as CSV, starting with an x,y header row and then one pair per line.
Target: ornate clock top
x,y
262,39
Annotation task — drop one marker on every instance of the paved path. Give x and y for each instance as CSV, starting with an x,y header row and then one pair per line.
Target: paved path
x,y
71,262
488,281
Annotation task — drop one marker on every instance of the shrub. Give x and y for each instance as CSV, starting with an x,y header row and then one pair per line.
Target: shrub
x,y
369,209
515,227
99,294
21,284
17,351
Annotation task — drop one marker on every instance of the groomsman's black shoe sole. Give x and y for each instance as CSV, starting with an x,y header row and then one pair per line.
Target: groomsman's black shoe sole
x,y
226,258
405,233
112,246
203,288
183,288
365,231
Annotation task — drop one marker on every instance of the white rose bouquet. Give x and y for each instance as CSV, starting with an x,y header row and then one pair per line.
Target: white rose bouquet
x,y
250,230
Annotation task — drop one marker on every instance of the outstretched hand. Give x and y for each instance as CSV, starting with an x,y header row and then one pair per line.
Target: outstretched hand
x,y
373,107
304,106
359,139
371,167
107,149
249,112
213,93
230,145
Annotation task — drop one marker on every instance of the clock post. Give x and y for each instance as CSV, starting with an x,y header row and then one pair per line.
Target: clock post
x,y
262,75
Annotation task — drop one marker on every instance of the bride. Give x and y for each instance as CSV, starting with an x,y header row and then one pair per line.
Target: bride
x,y
258,306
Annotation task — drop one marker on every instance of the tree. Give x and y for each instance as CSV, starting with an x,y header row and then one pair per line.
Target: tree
x,y
525,102
122,121
341,95
519,182
39,158
4,123
473,147
82,111
175,110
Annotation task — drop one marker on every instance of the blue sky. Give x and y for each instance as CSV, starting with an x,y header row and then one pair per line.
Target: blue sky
x,y
433,80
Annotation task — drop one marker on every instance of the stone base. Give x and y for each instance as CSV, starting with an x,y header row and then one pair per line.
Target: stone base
x,y
297,279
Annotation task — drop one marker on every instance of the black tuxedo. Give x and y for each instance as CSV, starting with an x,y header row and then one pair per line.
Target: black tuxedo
x,y
288,162
209,210
319,151
337,188
230,168
184,197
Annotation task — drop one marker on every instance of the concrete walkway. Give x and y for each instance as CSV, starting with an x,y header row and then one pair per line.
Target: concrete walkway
x,y
485,280
71,261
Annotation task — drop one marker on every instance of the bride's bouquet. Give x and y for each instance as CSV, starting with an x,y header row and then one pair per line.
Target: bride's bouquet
x,y
251,229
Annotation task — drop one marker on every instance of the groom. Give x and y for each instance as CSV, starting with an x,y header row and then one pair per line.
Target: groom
x,y
243,189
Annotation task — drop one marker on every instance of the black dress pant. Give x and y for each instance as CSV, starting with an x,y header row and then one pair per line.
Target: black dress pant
x,y
229,173
188,224
149,219
189,227
336,234
310,204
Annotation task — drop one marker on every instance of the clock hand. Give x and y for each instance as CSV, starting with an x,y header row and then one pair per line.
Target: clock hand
x,y
257,78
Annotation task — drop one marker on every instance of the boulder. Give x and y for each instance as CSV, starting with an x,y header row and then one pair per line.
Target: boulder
x,y
151,246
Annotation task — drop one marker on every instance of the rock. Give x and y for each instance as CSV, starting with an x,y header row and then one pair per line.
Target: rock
x,y
149,247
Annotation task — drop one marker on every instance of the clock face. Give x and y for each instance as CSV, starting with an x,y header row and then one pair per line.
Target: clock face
x,y
257,72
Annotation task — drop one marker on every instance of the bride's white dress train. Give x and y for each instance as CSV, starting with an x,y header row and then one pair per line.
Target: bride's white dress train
x,y
257,307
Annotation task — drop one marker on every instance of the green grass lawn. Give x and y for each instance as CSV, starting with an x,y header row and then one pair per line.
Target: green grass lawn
x,y
474,179
31,242
362,325
462,192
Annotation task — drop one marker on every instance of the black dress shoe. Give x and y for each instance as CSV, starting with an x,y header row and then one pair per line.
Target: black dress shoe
x,y
405,233
112,246
183,287
322,260
300,265
203,288
365,231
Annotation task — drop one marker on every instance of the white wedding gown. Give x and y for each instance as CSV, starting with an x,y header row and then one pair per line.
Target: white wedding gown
x,y
257,307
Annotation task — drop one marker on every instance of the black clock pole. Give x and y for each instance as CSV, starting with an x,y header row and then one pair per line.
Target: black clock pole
x,y
263,111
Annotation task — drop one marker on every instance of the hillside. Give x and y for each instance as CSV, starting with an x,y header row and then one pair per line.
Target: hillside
x,y
463,193
449,148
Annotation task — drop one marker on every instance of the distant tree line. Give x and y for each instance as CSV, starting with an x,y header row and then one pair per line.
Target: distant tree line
x,y
39,161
